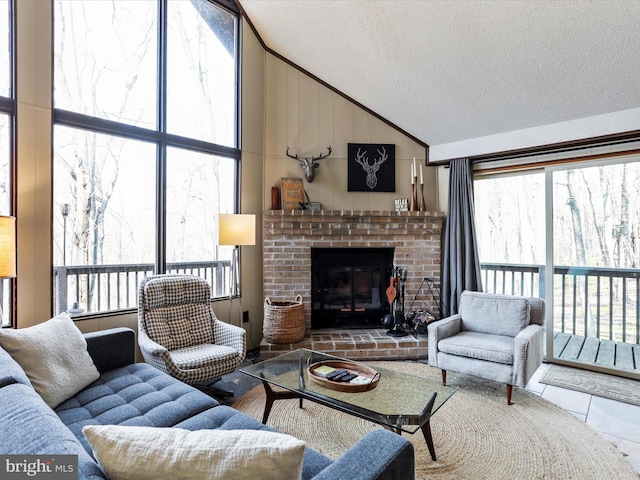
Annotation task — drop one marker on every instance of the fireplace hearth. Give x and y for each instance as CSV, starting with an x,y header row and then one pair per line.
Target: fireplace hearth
x,y
348,285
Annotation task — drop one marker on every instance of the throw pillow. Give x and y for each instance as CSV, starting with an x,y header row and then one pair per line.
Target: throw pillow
x,y
54,356
173,453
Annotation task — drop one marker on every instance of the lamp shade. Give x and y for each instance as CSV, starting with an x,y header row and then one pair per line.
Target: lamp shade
x,y
237,229
7,246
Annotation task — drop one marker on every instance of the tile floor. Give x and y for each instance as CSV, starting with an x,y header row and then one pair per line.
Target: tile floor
x,y
618,422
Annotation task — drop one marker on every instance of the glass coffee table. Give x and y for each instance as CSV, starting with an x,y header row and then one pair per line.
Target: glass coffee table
x,y
399,402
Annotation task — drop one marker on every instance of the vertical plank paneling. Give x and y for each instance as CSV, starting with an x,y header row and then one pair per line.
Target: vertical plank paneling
x,y
313,117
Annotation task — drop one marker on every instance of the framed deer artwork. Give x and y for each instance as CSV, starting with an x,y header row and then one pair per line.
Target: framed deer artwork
x,y
371,167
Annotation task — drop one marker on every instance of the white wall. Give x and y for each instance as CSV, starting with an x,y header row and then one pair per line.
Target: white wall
x,y
578,129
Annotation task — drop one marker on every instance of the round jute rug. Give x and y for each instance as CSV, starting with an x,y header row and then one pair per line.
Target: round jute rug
x,y
476,434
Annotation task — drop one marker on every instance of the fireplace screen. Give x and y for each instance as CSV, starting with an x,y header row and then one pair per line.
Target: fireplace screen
x,y
348,286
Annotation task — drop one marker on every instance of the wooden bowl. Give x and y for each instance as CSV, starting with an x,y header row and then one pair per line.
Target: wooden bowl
x,y
352,367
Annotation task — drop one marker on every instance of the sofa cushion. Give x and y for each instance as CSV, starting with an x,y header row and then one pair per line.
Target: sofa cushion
x,y
28,426
174,453
227,418
492,313
138,395
54,356
483,346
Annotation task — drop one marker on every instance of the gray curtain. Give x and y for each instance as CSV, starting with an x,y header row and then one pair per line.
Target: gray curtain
x,y
461,265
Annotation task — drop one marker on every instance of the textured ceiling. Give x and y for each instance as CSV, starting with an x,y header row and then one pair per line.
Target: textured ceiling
x,y
449,71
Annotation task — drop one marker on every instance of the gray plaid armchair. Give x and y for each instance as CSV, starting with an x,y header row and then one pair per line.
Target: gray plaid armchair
x,y
179,334
496,337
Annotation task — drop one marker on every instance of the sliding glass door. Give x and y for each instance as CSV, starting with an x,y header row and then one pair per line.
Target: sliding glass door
x,y
569,234
593,247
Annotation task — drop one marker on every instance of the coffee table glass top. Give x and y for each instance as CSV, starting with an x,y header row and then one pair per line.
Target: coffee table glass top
x,y
399,401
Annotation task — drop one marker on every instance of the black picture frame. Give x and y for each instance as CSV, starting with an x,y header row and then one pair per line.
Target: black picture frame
x,y
371,167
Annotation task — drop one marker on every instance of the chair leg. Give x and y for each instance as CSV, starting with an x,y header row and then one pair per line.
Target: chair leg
x,y
444,377
220,394
509,391
215,392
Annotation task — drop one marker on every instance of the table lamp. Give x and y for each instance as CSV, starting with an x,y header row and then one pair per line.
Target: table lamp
x,y
236,229
7,249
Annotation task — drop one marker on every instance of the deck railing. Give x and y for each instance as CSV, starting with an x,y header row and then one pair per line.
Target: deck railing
x,y
596,302
513,279
100,288
588,301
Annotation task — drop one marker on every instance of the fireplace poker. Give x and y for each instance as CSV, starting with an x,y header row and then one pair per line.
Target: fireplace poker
x,y
403,281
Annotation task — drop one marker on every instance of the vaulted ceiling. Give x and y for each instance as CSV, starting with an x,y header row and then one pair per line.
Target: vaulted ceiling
x,y
459,74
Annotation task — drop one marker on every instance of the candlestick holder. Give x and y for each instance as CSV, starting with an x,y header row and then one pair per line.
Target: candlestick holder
x,y
414,196
423,205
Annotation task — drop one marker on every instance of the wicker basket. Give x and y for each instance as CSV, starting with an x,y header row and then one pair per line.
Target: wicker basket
x,y
283,320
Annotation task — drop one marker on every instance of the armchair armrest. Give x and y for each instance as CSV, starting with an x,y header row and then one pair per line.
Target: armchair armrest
x,y
112,348
527,355
380,455
445,328
149,346
154,353
230,336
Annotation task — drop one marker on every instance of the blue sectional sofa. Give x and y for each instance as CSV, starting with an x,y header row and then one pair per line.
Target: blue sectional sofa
x,y
136,394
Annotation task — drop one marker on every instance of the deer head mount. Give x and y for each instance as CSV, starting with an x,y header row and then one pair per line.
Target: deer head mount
x,y
371,169
310,164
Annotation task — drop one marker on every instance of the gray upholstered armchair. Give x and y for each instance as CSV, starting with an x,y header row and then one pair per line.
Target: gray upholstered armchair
x,y
179,334
496,337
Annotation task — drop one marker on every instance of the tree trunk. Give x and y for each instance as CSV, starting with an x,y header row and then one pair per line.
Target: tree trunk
x,y
576,220
622,234
602,241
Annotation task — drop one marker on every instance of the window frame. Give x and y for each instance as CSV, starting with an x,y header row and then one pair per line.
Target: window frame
x,y
160,137
8,106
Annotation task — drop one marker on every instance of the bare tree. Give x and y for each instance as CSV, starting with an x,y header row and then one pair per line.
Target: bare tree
x,y
92,171
598,226
576,219
622,231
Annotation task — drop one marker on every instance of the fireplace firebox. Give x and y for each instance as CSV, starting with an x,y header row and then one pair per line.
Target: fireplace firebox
x,y
348,286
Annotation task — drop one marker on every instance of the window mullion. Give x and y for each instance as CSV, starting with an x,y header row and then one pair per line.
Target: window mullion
x,y
161,163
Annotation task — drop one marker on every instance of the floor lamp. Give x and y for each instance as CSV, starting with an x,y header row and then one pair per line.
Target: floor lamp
x,y
236,229
7,250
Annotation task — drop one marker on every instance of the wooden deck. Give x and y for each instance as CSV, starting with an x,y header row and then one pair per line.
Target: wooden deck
x,y
607,353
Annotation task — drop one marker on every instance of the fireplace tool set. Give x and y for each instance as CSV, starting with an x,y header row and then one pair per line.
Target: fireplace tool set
x,y
399,322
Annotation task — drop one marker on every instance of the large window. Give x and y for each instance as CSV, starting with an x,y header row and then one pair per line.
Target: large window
x,y
510,218
145,145
7,116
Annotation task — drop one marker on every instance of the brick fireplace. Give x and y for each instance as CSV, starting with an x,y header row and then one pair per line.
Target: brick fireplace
x,y
288,237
